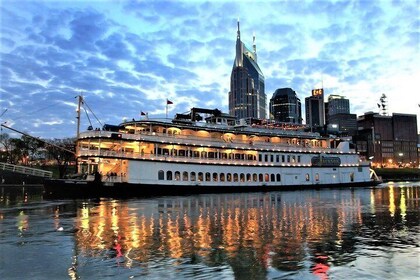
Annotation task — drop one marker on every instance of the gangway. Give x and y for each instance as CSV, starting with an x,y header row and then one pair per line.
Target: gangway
x,y
25,170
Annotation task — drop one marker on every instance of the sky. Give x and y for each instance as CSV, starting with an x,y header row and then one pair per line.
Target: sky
x,y
128,57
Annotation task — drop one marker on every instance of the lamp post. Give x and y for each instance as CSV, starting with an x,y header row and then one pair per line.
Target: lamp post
x,y
400,159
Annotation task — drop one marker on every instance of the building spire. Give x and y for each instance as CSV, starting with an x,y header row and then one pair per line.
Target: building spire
x,y
238,36
239,49
254,46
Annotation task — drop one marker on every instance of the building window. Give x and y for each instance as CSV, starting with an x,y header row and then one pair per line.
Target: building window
x,y
169,175
161,175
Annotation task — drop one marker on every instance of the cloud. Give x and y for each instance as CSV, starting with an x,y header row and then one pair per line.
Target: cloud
x,y
129,56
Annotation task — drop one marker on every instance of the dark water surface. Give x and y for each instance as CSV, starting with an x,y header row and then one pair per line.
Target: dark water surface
x,y
366,233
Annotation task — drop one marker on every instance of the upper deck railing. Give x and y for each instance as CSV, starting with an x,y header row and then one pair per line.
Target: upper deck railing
x,y
205,142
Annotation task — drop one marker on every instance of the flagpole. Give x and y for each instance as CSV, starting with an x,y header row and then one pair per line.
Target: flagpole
x,y
166,108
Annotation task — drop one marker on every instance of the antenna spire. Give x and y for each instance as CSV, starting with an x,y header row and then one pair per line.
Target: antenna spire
x,y
239,32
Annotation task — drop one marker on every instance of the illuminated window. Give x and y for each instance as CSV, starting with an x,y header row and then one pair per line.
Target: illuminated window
x,y
200,176
229,177
235,177
267,177
242,177
248,177
215,177
255,177
192,176
177,175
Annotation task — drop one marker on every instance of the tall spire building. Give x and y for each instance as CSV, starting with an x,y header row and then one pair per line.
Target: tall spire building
x,y
247,97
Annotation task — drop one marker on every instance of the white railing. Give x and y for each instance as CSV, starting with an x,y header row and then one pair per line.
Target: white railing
x,y
203,142
25,170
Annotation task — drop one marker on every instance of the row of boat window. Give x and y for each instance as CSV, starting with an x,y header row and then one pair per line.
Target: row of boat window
x,y
216,177
233,156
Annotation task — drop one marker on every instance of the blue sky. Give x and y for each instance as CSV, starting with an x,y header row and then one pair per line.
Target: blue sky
x,y
129,56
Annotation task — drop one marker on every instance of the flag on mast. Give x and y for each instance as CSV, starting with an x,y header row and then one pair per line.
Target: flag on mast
x,y
168,102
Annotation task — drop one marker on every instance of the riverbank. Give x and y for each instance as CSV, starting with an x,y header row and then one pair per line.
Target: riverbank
x,y
398,174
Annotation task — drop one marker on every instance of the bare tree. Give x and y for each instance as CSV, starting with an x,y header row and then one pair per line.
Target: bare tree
x,y
60,150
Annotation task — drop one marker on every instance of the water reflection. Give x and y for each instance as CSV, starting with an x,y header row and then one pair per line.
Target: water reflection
x,y
284,235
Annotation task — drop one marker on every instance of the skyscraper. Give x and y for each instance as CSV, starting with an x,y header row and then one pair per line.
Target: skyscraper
x,y
247,97
315,109
338,114
285,106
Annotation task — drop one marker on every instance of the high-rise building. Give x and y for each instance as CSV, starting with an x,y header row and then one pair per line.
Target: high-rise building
x,y
315,109
247,97
338,104
337,112
285,106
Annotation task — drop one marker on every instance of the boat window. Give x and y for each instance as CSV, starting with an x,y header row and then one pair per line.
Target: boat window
x,y
352,177
229,177
169,175
293,159
181,153
242,177
260,157
248,177
272,158
278,178
255,177
316,177
177,175
203,154
161,175
224,156
288,158
307,177
298,159
212,155
266,158
207,176
273,178
235,177
267,177
282,158
200,176
261,177
165,152
222,177
277,158
196,154
185,176
192,176
215,179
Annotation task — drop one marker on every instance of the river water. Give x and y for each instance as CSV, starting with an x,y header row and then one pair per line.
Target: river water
x,y
360,233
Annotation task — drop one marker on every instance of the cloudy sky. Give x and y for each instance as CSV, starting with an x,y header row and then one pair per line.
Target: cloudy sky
x,y
125,57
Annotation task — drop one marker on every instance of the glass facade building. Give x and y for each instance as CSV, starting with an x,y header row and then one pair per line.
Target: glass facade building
x,y
247,97
285,106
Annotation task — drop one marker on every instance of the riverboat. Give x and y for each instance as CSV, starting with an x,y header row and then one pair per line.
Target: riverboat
x,y
214,153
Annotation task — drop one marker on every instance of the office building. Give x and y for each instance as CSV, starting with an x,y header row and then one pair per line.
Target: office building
x,y
390,141
315,110
337,112
285,106
247,97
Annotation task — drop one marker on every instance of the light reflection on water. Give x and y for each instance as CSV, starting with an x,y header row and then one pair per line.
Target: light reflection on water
x,y
326,234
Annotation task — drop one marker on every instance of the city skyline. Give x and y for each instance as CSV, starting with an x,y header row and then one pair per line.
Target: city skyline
x,y
129,57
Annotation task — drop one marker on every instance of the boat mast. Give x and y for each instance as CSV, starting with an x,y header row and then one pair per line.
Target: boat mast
x,y
79,103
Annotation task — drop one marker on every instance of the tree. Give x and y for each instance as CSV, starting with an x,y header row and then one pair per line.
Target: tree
x,y
63,151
